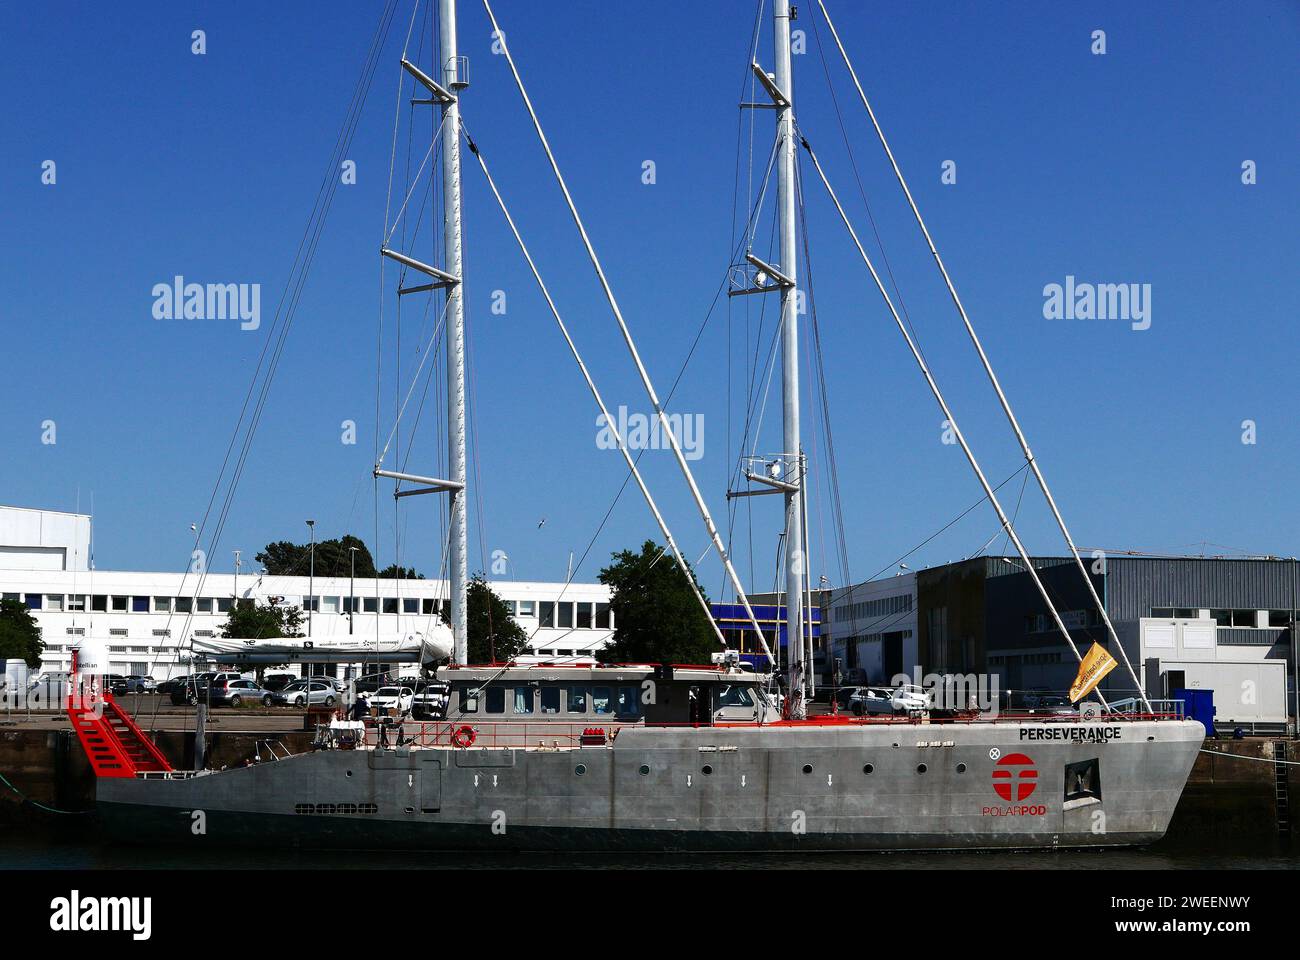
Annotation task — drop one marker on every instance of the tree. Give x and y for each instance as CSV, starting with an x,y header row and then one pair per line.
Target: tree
x,y
657,618
249,620
333,558
20,636
394,572
492,635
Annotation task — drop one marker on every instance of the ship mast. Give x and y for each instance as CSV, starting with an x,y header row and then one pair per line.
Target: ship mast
x,y
792,450
452,67
454,79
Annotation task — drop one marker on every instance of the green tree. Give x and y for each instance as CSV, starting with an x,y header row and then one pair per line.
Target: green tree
x,y
250,620
333,558
394,572
20,636
492,635
657,618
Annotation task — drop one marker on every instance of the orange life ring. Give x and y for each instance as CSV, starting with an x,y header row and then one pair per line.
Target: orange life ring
x,y
464,736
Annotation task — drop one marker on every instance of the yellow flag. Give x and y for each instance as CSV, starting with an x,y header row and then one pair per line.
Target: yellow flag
x,y
1096,664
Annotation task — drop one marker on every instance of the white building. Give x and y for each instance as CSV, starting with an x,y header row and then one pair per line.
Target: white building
x,y
146,619
871,629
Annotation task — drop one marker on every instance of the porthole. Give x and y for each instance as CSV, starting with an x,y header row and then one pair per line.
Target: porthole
x,y
807,768
869,769
644,770
580,769
706,769
349,773
921,768
961,768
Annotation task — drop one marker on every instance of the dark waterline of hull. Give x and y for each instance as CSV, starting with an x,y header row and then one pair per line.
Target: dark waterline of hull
x,y
24,850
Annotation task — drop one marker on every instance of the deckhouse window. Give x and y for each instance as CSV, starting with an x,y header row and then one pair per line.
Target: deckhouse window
x,y
550,700
496,699
628,704
577,700
523,699
602,700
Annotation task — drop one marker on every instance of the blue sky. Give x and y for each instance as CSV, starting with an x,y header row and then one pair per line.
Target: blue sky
x,y
1122,168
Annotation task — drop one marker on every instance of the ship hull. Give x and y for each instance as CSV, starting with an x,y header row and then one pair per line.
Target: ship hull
x,y
836,787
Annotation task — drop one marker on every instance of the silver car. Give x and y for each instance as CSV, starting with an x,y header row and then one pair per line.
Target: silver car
x,y
295,694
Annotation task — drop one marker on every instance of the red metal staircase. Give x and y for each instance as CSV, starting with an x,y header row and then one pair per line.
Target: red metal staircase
x,y
115,746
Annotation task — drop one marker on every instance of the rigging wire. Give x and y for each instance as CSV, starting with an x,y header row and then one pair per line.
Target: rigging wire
x,y
984,360
282,322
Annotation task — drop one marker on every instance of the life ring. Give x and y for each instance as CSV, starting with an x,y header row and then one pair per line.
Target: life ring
x,y
464,736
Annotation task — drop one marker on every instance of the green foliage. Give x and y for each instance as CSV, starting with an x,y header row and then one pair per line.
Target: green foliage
x,y
394,572
492,635
657,618
333,558
20,637
249,620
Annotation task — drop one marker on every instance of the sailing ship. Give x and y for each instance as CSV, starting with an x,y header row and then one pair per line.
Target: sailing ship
x,y
721,756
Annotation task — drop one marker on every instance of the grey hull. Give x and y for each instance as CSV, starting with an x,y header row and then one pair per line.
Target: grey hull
x,y
907,786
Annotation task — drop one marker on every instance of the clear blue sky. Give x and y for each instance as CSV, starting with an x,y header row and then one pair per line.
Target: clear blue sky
x,y
1114,169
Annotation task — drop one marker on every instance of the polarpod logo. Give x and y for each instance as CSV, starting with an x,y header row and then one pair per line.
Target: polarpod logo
x,y
1015,778
78,914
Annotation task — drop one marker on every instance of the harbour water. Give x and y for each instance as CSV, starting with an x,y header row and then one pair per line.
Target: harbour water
x,y
23,850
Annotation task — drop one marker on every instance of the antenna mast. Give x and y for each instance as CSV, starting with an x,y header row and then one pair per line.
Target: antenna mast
x,y
792,449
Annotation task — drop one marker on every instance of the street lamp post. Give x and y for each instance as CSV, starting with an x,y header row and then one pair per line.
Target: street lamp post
x,y
352,587
311,595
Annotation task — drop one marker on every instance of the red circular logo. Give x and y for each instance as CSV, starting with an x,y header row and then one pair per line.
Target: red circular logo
x,y
1015,778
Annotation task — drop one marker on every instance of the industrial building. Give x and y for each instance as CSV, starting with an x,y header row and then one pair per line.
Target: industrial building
x,y
1208,623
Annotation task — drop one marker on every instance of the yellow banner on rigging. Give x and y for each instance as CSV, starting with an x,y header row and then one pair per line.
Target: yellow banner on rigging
x,y
1096,664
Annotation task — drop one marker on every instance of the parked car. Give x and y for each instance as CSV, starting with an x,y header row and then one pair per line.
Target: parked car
x,y
430,700
240,691
170,684
203,687
137,683
393,698
278,681
877,700
116,684
296,694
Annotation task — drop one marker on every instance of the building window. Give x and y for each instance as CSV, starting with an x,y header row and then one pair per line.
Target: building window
x,y
99,603
602,616
526,608
139,604
34,601
410,605
119,604
225,604
329,605
1245,618
184,604
54,601
370,605
565,617
584,615
76,602
426,606
162,604
1279,618
510,606
546,613
390,604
